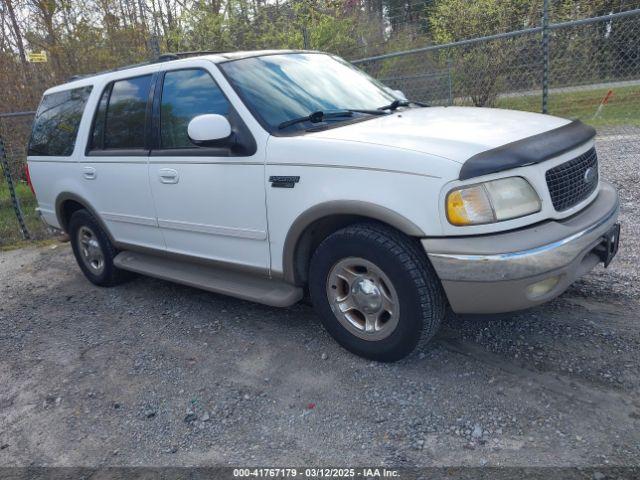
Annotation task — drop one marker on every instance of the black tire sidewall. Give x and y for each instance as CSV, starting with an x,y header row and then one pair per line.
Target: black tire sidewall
x,y
407,333
82,218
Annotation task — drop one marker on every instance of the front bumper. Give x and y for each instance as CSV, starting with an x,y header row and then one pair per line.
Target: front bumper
x,y
497,273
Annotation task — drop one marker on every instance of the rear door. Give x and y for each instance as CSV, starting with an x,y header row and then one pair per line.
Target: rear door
x,y
54,146
210,201
115,167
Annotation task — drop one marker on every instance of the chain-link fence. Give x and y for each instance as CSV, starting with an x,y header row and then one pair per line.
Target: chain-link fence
x,y
587,69
19,220
525,68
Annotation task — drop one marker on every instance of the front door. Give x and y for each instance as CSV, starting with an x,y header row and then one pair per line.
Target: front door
x,y
210,202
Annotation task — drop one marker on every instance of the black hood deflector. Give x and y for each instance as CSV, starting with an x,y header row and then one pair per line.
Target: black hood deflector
x,y
528,151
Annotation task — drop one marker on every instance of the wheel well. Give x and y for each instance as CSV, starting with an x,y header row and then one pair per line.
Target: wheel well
x,y
315,224
314,234
68,208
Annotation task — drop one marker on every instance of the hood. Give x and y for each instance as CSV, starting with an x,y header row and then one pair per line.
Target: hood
x,y
456,133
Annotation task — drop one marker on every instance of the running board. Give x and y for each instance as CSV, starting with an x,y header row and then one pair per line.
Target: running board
x,y
235,284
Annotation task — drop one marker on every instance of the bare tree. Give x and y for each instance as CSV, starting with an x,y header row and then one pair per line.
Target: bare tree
x,y
17,33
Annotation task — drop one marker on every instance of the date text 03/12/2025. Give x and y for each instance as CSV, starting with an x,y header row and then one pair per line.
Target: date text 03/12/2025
x,y
315,473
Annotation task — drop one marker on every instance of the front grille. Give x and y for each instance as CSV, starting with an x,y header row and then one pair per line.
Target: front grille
x,y
569,183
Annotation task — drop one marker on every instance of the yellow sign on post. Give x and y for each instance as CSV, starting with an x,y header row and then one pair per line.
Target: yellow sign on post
x,y
35,57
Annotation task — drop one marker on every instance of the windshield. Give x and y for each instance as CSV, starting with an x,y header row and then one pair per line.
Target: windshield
x,y
280,88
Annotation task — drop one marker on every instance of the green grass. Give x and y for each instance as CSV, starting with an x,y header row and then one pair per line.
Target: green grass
x,y
623,107
10,234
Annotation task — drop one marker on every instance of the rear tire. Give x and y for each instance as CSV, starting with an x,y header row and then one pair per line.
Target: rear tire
x,y
94,251
375,291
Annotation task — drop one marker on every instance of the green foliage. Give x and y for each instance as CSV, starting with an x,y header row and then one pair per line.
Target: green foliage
x,y
93,35
453,20
269,27
102,34
480,69
9,231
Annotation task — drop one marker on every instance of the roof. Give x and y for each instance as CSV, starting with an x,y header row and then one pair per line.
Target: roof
x,y
230,56
169,59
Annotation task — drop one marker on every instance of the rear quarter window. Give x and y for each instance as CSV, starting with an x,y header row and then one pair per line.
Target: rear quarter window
x,y
55,127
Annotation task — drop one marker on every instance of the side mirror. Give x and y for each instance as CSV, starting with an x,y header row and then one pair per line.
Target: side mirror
x,y
209,130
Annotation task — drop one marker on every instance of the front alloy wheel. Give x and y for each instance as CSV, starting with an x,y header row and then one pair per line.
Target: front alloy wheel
x,y
375,291
363,298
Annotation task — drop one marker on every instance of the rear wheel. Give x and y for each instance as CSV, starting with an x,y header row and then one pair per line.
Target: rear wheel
x,y
93,250
375,291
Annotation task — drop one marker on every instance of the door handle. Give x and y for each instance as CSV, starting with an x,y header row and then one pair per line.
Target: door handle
x,y
168,175
89,173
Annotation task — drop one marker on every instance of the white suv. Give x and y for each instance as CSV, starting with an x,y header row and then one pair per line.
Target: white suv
x,y
264,175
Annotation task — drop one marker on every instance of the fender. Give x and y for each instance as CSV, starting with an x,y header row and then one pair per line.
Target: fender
x,y
65,196
338,209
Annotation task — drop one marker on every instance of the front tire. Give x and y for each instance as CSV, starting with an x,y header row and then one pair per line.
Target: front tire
x,y
375,291
94,251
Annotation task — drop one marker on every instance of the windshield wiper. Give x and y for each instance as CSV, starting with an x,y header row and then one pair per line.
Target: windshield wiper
x,y
319,116
393,106
316,117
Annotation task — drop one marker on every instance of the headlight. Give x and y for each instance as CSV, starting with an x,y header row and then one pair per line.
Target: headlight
x,y
492,201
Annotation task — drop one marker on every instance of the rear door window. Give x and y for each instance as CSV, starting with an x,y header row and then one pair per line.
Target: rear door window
x,y
185,95
121,115
97,135
55,127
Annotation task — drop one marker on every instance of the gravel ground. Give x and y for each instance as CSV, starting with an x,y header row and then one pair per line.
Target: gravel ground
x,y
151,373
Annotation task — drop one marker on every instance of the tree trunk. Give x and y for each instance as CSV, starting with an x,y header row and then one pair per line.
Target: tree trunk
x,y
17,33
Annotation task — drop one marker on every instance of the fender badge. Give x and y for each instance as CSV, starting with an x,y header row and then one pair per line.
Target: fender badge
x,y
283,182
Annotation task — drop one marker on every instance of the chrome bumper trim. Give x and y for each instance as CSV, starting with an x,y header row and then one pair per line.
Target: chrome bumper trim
x,y
522,263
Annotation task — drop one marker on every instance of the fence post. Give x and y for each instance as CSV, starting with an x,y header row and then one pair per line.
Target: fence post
x,y
450,80
12,191
545,56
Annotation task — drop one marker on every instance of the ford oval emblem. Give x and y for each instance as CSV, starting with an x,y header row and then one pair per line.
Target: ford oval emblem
x,y
589,175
